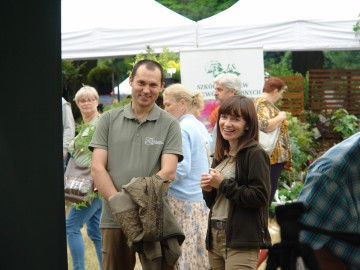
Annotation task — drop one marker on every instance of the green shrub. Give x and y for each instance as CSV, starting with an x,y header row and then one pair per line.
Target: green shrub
x,y
100,77
114,105
344,123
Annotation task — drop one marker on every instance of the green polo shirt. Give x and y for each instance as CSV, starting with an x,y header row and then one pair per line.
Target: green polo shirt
x,y
134,149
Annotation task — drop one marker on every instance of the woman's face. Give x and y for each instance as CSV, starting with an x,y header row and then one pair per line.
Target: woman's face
x,y
176,108
279,93
232,127
87,104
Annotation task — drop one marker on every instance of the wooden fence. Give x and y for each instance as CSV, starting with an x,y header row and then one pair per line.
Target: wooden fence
x,y
331,89
293,98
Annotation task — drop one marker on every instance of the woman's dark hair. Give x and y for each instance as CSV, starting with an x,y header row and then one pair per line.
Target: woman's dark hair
x,y
273,83
151,65
239,106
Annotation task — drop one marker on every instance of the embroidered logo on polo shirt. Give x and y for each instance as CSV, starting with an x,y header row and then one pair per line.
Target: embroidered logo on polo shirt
x,y
152,141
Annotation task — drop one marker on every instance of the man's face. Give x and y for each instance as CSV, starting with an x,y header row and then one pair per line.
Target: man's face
x,y
221,93
146,86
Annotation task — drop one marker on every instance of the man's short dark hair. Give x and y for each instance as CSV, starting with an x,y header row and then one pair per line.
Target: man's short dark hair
x,y
150,64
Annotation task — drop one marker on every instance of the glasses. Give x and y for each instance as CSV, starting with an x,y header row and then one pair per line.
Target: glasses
x,y
84,101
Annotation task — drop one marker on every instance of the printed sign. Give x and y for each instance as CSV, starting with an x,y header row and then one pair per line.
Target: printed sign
x,y
200,67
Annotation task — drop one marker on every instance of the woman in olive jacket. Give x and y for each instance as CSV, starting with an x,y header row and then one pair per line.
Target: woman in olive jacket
x,y
237,189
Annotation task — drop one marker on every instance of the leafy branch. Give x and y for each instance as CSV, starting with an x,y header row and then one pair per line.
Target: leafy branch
x,y
356,26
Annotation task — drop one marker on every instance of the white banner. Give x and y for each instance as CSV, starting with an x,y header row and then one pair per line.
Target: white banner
x,y
200,67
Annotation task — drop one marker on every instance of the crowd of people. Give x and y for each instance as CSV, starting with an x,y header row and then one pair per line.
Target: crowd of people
x,y
183,198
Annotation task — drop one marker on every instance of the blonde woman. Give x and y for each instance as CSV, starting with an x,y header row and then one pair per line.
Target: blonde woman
x,y
185,194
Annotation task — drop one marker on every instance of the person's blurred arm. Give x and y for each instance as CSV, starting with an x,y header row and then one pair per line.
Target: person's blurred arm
x,y
68,127
172,152
266,123
276,121
169,163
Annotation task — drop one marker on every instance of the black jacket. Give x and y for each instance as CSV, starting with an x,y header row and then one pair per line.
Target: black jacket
x,y
248,194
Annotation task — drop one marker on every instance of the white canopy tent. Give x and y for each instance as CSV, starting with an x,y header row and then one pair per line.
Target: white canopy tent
x,y
124,87
106,28
283,25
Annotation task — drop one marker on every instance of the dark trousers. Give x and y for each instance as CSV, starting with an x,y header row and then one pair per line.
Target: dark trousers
x,y
118,256
116,253
275,171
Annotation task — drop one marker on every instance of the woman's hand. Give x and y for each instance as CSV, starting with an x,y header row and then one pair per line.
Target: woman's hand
x,y
204,182
282,116
211,180
215,178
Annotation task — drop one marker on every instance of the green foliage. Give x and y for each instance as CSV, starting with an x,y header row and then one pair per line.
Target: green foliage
x,y
271,58
120,67
166,59
304,145
85,140
356,26
286,194
290,194
303,148
342,59
344,123
283,68
339,121
114,105
197,9
70,72
84,204
101,78
99,74
302,140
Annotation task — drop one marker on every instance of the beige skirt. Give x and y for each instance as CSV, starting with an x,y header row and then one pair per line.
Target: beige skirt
x,y
193,218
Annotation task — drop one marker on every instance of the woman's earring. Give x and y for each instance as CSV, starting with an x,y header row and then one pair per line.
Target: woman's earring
x,y
246,128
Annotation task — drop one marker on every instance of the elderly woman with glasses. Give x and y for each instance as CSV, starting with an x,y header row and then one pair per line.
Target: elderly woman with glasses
x,y
83,213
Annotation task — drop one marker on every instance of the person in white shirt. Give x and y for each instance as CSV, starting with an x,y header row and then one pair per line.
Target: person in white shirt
x,y
68,127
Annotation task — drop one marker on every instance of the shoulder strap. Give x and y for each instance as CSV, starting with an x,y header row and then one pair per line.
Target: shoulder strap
x,y
207,146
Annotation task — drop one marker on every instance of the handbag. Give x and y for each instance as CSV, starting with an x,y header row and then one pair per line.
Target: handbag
x,y
268,140
78,184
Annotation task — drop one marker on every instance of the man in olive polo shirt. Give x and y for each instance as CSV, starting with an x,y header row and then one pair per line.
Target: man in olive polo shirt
x,y
137,140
